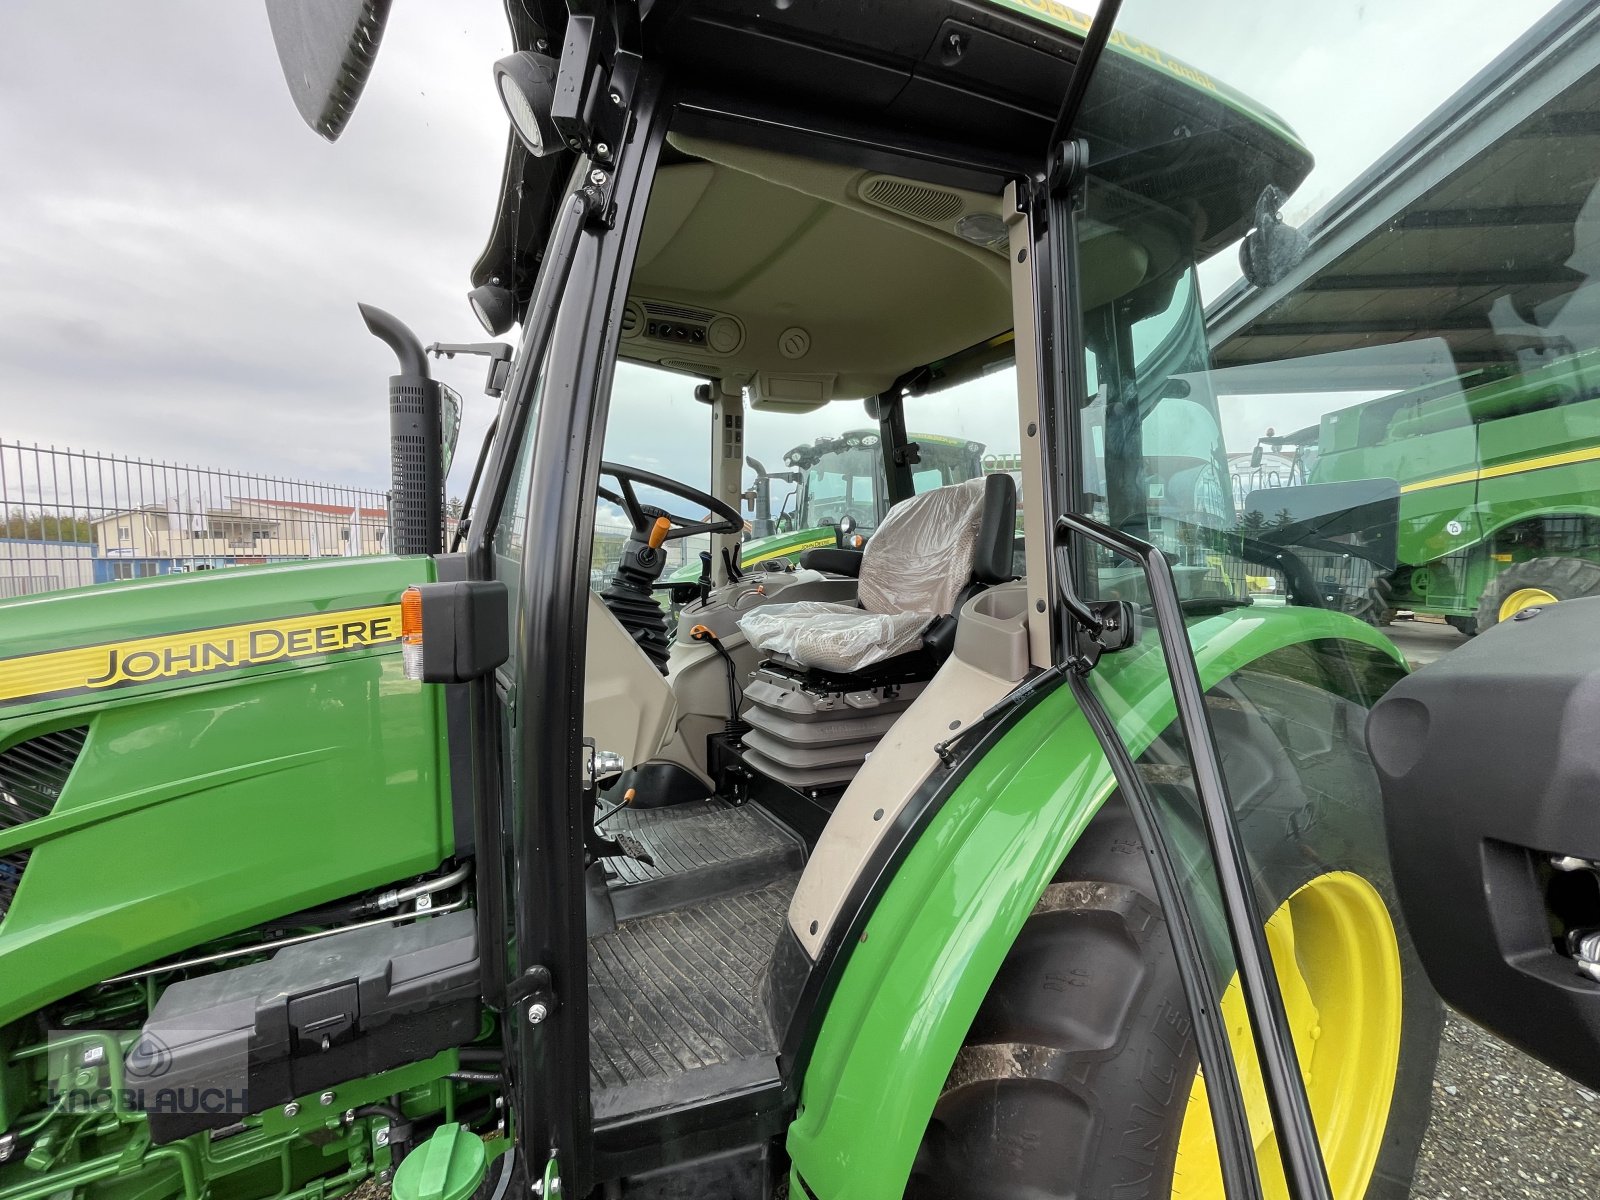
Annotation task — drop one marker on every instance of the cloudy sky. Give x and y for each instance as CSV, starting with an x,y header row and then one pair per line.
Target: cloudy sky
x,y
182,258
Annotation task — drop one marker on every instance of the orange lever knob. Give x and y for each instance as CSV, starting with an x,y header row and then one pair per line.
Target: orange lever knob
x,y
658,535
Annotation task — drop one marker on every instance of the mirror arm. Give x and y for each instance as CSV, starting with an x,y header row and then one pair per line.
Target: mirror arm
x,y
499,355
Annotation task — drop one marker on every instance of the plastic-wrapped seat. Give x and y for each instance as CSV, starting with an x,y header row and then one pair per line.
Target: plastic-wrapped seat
x,y
927,554
837,675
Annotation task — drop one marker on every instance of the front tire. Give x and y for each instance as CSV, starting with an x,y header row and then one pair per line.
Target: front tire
x,y
1077,1075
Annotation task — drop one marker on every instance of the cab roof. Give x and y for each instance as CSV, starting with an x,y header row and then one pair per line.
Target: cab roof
x,y
961,93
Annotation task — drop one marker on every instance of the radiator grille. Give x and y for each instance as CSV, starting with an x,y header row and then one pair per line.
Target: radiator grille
x,y
32,774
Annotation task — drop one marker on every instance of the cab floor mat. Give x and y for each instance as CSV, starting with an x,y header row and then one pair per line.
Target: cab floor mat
x,y
675,1014
697,850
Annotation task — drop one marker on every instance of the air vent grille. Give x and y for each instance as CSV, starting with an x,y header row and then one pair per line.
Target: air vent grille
x,y
693,368
676,312
32,774
632,320
915,200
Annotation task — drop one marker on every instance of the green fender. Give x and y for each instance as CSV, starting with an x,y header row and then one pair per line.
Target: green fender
x,y
936,939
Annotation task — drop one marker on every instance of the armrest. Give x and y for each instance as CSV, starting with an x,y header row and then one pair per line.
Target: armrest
x,y
833,561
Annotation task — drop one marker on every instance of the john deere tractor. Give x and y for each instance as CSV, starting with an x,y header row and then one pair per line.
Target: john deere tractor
x,y
837,493
922,875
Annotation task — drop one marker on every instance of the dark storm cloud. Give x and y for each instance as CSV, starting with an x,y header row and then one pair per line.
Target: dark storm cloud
x,y
180,258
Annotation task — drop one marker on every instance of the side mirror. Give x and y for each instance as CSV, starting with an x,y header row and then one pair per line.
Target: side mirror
x,y
449,425
326,49
1255,456
1272,249
1487,759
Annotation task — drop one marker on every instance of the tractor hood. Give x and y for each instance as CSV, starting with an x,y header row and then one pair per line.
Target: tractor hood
x,y
67,650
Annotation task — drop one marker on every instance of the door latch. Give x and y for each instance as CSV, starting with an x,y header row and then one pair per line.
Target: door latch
x,y
599,766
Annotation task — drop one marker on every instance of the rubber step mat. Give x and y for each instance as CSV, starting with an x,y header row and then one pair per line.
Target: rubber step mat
x,y
697,851
675,1014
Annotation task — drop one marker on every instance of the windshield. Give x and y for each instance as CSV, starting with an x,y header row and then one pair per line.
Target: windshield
x,y
843,484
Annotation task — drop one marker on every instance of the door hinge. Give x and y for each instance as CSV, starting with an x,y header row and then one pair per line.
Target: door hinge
x,y
1101,627
534,993
1069,162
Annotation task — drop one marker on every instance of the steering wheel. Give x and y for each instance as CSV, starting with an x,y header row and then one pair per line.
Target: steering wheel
x,y
644,516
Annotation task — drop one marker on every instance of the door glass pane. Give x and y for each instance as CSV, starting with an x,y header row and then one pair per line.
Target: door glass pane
x,y
511,524
1376,445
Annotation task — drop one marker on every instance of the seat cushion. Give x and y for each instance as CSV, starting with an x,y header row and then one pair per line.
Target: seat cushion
x,y
833,637
921,557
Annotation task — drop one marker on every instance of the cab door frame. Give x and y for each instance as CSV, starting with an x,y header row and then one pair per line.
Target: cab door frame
x,y
528,746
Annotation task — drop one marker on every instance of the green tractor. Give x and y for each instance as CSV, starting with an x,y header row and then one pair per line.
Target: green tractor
x,y
837,493
923,876
839,479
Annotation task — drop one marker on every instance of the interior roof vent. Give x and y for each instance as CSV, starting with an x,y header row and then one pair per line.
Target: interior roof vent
x,y
32,774
694,368
676,312
919,201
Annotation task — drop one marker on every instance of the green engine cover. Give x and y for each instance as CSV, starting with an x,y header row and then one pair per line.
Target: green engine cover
x,y
250,748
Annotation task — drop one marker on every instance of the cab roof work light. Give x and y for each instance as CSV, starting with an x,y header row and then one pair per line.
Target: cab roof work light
x,y
526,82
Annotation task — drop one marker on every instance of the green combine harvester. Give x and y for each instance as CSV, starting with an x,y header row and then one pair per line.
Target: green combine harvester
x,y
1499,487
937,873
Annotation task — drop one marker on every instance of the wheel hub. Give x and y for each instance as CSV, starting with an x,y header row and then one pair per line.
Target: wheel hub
x,y
1338,963
1528,597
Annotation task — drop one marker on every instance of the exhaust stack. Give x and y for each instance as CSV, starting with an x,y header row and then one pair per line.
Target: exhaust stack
x,y
416,455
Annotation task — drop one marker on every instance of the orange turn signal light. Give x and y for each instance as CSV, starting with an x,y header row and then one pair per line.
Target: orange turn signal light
x,y
411,632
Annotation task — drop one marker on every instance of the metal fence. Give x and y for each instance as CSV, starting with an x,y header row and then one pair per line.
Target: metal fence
x,y
73,518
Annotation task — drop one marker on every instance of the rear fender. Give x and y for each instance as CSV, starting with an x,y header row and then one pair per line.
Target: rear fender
x,y
931,947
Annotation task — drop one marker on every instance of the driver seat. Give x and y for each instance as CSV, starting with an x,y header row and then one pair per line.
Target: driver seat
x,y
916,570
848,671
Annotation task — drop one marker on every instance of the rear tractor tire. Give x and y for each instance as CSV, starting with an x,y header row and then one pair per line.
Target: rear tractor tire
x,y
1539,581
1079,1077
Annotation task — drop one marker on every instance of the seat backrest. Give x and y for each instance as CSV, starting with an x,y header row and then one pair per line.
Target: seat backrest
x,y
931,547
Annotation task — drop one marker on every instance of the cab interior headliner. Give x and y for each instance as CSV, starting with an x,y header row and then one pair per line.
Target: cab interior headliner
x,y
870,268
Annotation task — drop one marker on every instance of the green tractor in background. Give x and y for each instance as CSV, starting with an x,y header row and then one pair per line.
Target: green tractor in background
x,y
837,493
933,876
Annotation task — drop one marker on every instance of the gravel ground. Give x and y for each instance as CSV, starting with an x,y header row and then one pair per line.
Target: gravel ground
x,y
1423,641
1504,1125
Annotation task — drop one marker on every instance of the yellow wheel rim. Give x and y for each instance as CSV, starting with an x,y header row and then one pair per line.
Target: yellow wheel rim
x,y
1338,964
1525,598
